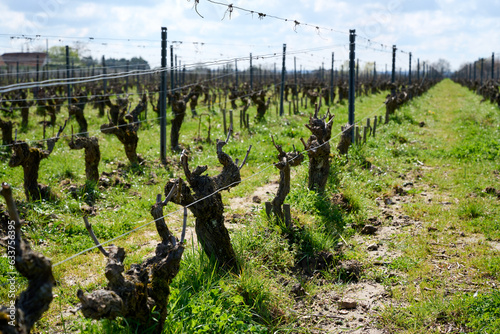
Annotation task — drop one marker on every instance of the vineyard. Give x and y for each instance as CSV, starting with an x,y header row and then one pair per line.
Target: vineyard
x,y
204,198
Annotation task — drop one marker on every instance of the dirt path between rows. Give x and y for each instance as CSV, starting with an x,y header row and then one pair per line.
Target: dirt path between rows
x,y
350,308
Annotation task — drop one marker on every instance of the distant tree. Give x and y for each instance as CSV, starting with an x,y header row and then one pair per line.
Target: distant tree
x,y
134,63
442,66
368,68
57,55
139,61
88,61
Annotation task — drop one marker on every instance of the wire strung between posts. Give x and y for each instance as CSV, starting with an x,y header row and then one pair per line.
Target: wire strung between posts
x,y
84,133
90,39
122,125
137,122
73,81
110,240
202,199
231,7
164,216
63,69
120,94
36,37
372,48
261,15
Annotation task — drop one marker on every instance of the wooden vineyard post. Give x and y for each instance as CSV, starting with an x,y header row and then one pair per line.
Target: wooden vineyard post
x,y
230,118
224,120
345,139
269,208
366,130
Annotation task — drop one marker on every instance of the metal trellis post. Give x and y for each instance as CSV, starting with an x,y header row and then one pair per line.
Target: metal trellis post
x,y
251,73
236,72
418,70
482,66
352,54
283,70
393,77
163,97
67,75
104,71
331,78
493,66
409,71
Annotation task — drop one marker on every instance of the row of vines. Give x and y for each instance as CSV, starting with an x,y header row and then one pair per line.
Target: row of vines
x,y
122,107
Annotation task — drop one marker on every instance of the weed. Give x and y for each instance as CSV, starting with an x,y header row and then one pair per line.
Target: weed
x,y
482,312
471,209
445,153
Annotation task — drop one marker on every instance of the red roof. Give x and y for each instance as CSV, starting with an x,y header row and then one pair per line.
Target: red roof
x,y
24,58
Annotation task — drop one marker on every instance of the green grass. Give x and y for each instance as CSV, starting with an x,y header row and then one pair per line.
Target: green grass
x,y
483,312
454,157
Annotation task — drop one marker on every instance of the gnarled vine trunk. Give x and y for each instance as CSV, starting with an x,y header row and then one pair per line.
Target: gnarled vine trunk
x,y
179,111
30,305
286,160
145,287
77,112
125,129
24,105
262,105
6,127
318,150
207,207
29,158
92,155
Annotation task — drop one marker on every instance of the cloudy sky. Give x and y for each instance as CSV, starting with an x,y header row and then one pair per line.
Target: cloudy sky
x,y
456,30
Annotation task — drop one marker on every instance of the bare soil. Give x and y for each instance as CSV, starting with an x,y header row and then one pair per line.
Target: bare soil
x,y
352,307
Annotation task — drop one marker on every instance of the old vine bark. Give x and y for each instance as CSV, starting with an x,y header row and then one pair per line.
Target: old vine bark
x,y
318,150
145,287
285,161
6,127
201,195
179,110
92,155
125,129
20,316
29,158
77,112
